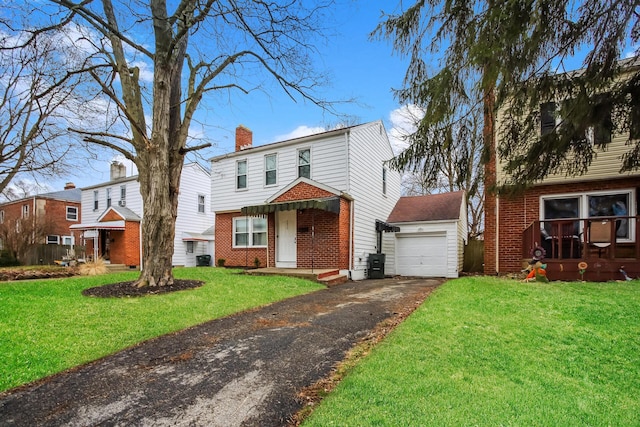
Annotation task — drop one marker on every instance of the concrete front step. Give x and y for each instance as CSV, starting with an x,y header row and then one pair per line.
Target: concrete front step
x,y
118,267
336,279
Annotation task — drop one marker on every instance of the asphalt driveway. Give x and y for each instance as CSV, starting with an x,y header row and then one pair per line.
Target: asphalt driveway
x,y
242,370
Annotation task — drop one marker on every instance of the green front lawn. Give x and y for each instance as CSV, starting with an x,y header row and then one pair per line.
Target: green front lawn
x,y
47,326
496,352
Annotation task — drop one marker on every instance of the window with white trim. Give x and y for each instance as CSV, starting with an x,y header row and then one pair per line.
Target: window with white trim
x,y
123,194
593,205
201,203
53,240
304,163
67,240
25,211
95,200
189,247
270,169
250,231
384,181
72,213
241,174
1,217
108,191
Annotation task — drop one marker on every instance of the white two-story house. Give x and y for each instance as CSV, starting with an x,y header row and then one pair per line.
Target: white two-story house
x,y
112,213
318,201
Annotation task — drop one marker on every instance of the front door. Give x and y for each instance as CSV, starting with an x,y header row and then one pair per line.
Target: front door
x,y
286,239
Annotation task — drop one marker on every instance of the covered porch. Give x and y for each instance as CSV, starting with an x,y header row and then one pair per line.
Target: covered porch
x,y
608,245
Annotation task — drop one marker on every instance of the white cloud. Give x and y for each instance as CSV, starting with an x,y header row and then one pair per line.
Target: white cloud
x,y
403,121
299,132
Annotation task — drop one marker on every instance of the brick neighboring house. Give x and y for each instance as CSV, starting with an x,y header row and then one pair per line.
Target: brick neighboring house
x,y
310,202
591,218
45,217
113,211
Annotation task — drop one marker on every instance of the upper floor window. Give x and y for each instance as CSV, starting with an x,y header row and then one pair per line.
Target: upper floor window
x,y
241,174
1,217
95,200
547,117
384,181
270,169
304,163
201,203
108,197
72,213
25,211
123,195
250,232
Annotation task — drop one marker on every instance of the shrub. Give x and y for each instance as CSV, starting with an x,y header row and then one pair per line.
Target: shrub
x,y
221,262
94,268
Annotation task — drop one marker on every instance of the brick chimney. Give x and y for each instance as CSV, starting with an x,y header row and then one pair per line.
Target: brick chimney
x,y
244,138
69,186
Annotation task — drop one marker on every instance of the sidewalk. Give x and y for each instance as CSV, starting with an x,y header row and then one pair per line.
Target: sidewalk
x,y
242,370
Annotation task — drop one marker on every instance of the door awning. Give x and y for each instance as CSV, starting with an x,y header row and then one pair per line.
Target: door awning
x,y
386,227
329,204
105,225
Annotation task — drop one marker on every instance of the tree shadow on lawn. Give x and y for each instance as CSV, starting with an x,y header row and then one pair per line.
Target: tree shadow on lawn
x,y
129,289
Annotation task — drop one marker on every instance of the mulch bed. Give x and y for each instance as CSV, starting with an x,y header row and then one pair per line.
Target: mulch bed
x,y
128,289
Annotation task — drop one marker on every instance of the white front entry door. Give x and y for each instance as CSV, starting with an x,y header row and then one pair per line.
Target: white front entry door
x,y
286,239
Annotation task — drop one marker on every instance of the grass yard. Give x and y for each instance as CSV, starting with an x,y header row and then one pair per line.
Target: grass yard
x,y
496,352
47,326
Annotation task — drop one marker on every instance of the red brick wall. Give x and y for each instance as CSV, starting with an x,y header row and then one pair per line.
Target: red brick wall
x,y
240,257
48,213
330,244
517,213
303,191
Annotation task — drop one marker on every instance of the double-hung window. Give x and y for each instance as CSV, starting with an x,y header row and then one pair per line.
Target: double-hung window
x,y
250,231
201,203
304,163
72,213
108,197
270,169
241,174
25,211
384,181
123,195
95,200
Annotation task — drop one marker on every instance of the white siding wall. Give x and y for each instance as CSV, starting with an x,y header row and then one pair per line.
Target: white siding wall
x,y
195,181
454,247
369,148
328,166
133,200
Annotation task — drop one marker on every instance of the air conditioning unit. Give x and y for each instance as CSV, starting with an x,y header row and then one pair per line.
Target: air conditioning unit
x,y
122,203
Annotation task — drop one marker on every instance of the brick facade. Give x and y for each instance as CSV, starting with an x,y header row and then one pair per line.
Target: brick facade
x,y
517,213
49,214
327,248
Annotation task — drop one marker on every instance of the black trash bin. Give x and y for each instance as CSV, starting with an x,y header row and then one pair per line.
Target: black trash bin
x,y
203,260
376,266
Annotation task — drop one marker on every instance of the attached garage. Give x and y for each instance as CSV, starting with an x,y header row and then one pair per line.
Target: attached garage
x,y
433,232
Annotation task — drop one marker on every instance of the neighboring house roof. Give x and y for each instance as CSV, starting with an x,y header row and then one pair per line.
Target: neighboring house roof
x,y
72,195
433,207
135,177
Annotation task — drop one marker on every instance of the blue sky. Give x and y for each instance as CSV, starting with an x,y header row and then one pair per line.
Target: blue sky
x,y
359,68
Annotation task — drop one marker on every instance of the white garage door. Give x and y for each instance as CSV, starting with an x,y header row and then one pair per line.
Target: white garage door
x,y
422,255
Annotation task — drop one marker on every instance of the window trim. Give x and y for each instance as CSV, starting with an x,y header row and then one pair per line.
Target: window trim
x,y
96,203
298,165
583,207
25,211
190,247
384,181
249,220
203,204
246,175
275,169
48,242
76,215
108,196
